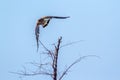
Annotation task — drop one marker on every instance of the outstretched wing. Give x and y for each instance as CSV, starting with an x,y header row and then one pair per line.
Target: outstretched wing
x,y
37,36
48,18
58,17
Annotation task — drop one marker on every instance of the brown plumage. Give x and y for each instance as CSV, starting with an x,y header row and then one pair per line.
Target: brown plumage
x,y
44,21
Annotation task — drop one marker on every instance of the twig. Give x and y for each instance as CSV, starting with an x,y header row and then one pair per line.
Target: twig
x,y
71,43
49,52
76,61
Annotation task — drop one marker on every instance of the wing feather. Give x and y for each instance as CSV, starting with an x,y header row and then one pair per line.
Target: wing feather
x,y
58,17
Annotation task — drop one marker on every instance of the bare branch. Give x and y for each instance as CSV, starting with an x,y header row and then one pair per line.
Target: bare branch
x,y
71,43
49,52
42,71
32,74
76,61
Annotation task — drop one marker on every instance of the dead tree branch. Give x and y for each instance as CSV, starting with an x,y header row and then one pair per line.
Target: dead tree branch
x,y
75,62
48,51
71,43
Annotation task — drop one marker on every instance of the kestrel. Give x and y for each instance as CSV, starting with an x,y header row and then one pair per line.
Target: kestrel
x,y
44,21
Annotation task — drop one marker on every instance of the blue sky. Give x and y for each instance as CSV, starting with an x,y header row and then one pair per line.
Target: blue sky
x,y
94,21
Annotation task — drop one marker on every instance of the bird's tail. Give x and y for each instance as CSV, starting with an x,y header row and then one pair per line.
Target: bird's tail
x,y
37,43
37,36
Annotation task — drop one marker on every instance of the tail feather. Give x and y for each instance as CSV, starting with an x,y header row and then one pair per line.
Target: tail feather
x,y
37,36
37,43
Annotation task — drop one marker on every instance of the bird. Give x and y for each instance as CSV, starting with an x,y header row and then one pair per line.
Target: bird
x,y
44,21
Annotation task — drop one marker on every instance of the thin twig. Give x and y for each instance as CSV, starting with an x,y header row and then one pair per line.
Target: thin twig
x,y
32,74
71,43
49,52
76,61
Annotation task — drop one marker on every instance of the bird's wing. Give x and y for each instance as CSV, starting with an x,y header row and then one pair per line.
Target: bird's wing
x,y
48,18
46,23
58,17
37,36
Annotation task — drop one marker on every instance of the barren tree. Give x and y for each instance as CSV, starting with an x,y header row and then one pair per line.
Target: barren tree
x,y
50,66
